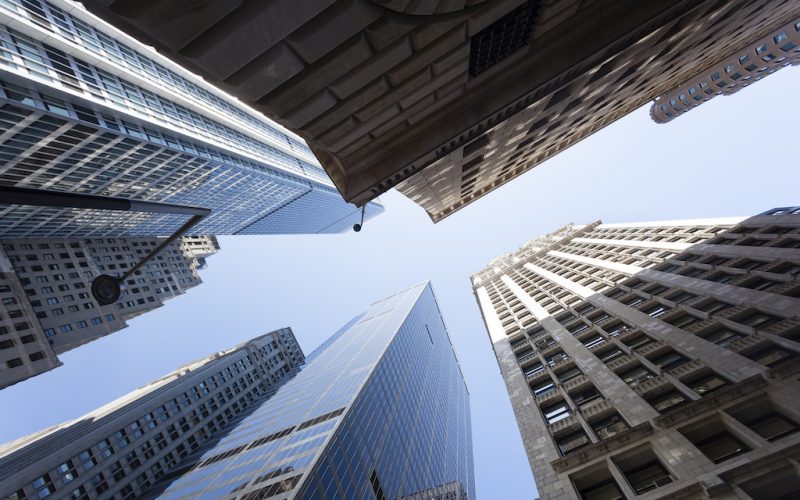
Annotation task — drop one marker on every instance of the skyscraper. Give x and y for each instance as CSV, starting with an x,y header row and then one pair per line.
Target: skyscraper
x,y
123,447
379,410
448,100
86,109
656,358
738,70
47,308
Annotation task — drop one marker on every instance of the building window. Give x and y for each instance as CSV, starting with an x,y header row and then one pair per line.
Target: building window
x,y
721,446
556,412
568,374
643,471
722,336
762,417
543,387
572,441
617,328
668,401
670,361
756,319
557,358
610,355
533,370
597,483
711,306
609,426
636,375
594,341
86,457
638,341
679,296
682,320
585,396
43,486
782,483
656,311
707,384
770,355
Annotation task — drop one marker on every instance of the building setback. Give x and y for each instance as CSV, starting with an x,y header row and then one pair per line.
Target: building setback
x,y
122,448
47,306
86,109
654,359
379,410
447,100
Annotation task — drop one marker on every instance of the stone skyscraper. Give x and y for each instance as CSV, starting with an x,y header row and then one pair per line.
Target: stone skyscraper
x,y
86,109
379,410
47,308
656,359
122,448
778,49
448,100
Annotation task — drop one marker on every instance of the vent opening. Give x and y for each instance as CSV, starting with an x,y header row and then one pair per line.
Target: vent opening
x,y
503,37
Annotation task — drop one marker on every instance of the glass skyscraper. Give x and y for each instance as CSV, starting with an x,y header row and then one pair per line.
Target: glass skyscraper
x,y
380,410
87,109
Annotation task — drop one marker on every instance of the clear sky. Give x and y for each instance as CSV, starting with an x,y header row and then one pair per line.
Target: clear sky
x,y
735,155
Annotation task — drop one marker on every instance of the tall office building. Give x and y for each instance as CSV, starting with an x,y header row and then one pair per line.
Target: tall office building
x,y
123,447
449,100
86,109
657,359
379,410
740,69
47,307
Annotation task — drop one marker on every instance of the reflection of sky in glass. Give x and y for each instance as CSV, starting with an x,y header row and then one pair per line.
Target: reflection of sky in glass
x,y
383,394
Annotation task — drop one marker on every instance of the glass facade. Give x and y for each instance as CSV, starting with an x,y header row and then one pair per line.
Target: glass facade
x,y
85,109
380,410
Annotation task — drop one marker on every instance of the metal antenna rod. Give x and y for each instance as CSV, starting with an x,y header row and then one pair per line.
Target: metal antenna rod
x,y
105,288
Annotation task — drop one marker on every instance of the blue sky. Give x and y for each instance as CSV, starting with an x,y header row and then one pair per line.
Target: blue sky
x,y
734,155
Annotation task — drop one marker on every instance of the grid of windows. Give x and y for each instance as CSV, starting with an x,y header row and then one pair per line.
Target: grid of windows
x,y
615,326
375,380
69,121
90,38
183,411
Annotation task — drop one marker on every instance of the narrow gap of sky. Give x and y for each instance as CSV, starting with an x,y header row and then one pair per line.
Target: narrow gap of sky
x,y
731,156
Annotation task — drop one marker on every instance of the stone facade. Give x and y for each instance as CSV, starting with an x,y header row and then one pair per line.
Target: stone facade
x,y
654,360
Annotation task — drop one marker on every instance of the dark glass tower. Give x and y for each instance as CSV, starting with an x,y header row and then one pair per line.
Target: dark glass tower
x,y
380,410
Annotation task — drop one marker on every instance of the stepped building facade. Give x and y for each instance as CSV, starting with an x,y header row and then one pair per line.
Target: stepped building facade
x,y
47,305
654,360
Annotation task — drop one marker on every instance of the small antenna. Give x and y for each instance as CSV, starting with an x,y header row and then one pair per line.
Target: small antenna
x,y
357,227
